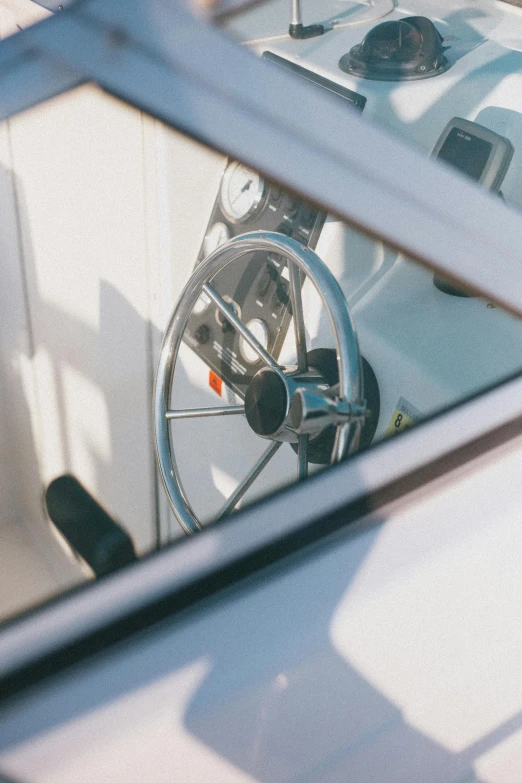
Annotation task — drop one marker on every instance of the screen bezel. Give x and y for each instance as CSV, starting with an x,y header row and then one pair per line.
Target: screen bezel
x,y
498,161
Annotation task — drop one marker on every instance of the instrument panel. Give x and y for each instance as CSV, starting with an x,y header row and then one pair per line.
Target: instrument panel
x,y
259,292
258,289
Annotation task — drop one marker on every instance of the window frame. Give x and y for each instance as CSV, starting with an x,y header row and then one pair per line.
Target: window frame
x,y
238,105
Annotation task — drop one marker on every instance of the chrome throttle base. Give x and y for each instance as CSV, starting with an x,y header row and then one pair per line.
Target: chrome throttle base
x,y
312,411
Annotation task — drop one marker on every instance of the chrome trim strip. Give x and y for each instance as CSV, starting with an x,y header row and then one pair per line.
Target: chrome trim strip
x,y
249,479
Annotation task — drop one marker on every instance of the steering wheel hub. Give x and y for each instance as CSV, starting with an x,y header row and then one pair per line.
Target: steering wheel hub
x,y
267,402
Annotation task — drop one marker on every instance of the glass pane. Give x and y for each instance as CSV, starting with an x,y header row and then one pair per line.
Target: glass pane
x,y
444,76
107,215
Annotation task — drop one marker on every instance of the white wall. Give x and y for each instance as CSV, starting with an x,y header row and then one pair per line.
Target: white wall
x,y
100,228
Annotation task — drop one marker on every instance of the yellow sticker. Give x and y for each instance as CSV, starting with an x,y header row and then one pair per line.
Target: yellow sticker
x,y
405,415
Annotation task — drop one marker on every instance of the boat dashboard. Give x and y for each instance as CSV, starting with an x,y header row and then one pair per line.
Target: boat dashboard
x,y
445,77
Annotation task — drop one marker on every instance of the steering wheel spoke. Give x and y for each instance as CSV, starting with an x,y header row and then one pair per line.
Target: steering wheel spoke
x,y
239,326
249,479
298,317
302,457
196,413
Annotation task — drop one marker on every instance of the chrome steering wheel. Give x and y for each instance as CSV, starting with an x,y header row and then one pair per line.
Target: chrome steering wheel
x,y
282,404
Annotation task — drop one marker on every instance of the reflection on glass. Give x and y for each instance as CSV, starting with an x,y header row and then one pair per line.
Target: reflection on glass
x,y
413,71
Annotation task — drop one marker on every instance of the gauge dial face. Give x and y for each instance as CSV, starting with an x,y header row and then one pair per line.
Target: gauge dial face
x,y
217,235
241,193
260,331
201,304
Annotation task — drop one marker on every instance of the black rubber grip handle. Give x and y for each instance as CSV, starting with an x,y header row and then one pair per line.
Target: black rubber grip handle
x,y
91,532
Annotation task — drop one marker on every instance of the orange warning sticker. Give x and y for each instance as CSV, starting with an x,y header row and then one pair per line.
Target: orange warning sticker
x,y
215,382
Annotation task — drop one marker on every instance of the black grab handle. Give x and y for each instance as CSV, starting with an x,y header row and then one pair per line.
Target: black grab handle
x,y
92,533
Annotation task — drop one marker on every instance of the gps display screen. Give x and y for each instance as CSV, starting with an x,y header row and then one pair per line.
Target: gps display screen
x,y
465,151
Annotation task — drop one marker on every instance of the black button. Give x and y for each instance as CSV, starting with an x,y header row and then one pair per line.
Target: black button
x,y
281,296
275,195
307,217
266,402
264,283
202,334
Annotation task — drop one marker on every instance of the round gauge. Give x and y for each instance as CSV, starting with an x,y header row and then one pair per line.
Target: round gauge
x,y
241,194
216,236
201,304
260,331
